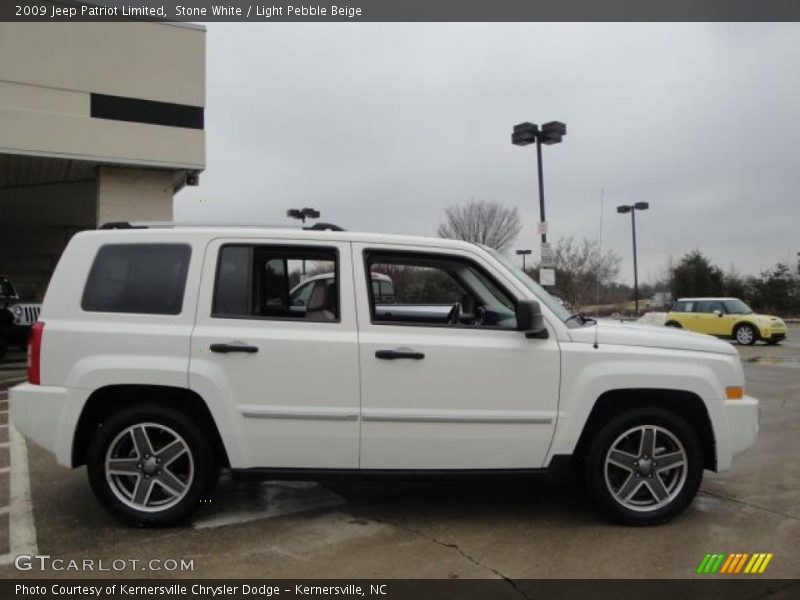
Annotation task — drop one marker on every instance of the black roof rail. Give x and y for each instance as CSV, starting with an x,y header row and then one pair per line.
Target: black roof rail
x,y
121,225
161,224
324,227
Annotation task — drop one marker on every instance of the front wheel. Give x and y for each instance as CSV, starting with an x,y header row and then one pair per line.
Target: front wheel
x,y
746,335
150,465
644,466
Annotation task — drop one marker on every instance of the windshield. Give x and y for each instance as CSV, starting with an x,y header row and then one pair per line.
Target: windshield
x,y
540,293
737,307
6,289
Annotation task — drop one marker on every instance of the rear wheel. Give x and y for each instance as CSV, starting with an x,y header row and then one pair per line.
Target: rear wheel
x,y
151,465
746,334
673,324
644,466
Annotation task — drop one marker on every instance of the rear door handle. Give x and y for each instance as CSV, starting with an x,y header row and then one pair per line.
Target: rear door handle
x,y
226,348
393,354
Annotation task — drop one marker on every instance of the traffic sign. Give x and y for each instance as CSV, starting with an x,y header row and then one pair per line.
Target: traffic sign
x,y
548,259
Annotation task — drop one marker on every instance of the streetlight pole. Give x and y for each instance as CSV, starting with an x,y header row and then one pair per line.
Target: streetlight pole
x,y
528,133
301,214
523,254
632,208
635,266
542,217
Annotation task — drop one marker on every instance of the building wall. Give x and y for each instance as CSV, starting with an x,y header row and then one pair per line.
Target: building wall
x,y
133,195
48,72
65,170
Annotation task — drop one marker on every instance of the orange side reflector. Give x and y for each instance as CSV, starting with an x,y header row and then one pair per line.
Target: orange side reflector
x,y
734,392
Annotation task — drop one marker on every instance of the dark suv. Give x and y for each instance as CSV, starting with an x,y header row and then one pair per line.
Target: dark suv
x,y
16,317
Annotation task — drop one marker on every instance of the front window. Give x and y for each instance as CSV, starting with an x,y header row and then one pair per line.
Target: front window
x,y
436,290
383,291
541,294
737,307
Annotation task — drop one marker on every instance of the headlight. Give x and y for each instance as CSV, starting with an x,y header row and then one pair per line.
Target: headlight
x,y
17,310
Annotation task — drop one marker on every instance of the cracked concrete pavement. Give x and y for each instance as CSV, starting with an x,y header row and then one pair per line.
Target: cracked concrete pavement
x,y
510,529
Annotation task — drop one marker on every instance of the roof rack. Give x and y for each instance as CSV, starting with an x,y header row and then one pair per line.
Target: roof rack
x,y
324,227
170,224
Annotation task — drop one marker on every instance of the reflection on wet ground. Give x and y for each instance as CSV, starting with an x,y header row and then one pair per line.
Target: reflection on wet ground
x,y
775,361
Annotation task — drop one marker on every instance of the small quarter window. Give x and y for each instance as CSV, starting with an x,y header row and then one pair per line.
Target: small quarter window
x,y
138,279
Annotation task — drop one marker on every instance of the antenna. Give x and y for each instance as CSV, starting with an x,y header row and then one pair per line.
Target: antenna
x,y
597,290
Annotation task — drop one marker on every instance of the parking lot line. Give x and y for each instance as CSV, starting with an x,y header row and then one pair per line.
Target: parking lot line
x,y
22,531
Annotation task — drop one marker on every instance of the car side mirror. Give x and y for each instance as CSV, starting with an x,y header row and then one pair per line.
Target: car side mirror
x,y
530,320
718,312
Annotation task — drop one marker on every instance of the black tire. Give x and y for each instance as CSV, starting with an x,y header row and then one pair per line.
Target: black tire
x,y
201,466
749,334
674,324
679,491
3,349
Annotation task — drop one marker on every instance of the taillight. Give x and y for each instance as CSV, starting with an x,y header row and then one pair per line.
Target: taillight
x,y
35,353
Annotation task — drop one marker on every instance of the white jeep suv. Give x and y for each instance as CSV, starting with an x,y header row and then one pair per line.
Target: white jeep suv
x,y
165,354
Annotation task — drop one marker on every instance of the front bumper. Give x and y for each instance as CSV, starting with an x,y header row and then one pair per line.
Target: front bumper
x,y
18,335
742,417
39,412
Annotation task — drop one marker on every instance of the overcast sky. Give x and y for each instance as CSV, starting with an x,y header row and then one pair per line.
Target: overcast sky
x,y
382,126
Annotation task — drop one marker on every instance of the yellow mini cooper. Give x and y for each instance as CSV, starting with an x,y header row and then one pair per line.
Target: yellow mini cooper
x,y
726,317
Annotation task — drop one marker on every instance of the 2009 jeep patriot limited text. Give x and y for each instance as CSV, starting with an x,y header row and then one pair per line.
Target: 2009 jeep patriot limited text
x,y
164,355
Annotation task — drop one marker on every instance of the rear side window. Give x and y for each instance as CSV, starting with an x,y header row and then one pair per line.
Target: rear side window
x,y
138,278
683,306
708,306
277,282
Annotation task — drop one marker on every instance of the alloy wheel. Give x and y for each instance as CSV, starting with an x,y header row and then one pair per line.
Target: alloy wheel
x,y
149,467
645,468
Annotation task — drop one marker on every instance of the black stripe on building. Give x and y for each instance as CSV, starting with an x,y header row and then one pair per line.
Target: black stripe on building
x,y
135,110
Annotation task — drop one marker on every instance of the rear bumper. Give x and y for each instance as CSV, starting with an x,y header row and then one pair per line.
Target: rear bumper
x,y
40,413
742,418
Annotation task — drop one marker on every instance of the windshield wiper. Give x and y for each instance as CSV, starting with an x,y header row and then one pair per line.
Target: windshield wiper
x,y
583,318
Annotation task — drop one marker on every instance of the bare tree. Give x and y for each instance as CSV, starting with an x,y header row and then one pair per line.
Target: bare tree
x,y
579,265
487,223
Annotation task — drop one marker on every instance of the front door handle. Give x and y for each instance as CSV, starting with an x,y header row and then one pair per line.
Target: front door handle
x,y
226,348
393,354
